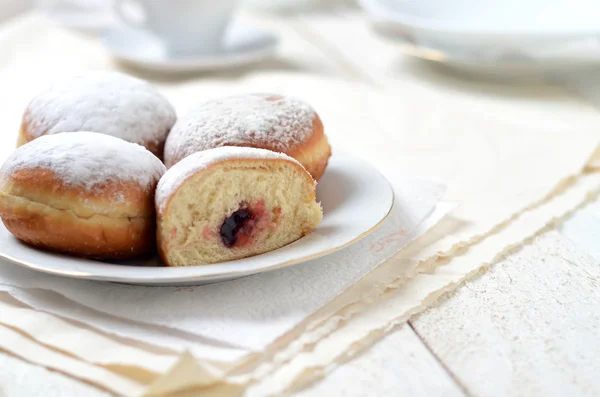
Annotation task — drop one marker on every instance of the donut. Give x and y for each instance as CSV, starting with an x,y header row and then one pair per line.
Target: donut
x,y
229,203
267,121
110,103
82,193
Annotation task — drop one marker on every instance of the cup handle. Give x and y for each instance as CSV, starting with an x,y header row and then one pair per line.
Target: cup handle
x,y
125,16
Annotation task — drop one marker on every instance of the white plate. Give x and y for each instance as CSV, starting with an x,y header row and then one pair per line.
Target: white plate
x,y
244,45
497,24
356,198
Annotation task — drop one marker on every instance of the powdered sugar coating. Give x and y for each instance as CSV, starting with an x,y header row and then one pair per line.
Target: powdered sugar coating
x,y
87,160
260,120
106,102
196,162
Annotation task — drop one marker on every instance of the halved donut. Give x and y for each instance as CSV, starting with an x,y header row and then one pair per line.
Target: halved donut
x,y
233,202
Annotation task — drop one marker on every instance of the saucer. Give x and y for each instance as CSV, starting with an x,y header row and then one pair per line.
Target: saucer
x,y
499,61
244,44
572,57
502,25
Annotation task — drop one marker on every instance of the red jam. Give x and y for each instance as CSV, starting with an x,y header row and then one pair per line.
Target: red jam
x,y
233,224
243,226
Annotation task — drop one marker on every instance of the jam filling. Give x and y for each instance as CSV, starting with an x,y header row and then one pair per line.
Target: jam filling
x,y
246,226
233,224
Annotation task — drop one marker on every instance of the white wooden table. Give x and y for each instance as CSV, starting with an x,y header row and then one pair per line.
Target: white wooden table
x,y
527,327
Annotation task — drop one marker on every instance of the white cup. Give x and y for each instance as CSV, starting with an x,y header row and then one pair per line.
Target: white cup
x,y
188,27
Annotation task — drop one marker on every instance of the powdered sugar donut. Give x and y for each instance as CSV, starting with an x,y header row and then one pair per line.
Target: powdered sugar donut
x,y
81,193
233,202
267,121
110,103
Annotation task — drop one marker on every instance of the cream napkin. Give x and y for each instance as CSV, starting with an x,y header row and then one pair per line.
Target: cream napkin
x,y
163,338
